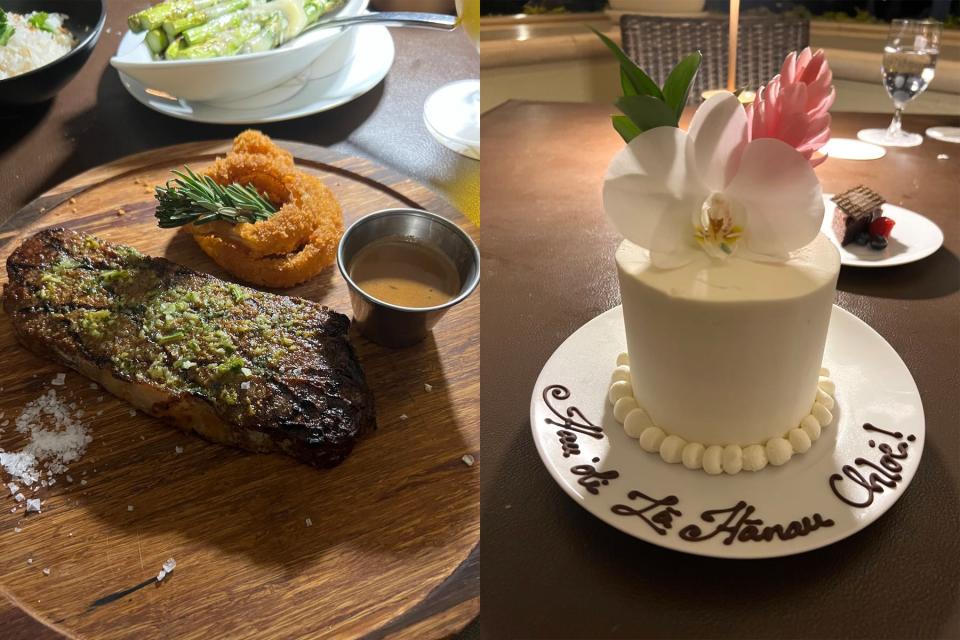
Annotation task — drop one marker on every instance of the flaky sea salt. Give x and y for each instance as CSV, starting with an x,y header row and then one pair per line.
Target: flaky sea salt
x,y
178,450
59,379
403,416
46,571
468,460
428,388
33,505
245,385
56,438
133,412
942,156
13,487
168,566
309,522
129,507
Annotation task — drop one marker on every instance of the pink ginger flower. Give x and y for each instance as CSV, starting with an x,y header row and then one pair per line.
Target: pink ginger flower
x,y
793,106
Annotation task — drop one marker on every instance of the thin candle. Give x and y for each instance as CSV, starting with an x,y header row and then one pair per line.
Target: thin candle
x,y
732,58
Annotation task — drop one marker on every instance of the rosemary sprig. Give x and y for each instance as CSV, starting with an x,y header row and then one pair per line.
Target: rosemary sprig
x,y
198,199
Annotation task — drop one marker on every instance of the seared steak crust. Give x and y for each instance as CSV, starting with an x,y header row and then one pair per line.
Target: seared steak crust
x,y
237,366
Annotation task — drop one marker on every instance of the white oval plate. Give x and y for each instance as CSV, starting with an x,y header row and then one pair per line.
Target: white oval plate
x,y
609,475
914,237
368,57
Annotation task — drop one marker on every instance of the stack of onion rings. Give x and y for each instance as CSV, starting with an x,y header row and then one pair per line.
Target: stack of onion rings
x,y
291,246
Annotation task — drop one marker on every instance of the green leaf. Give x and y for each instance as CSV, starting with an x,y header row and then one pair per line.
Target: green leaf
x,y
677,87
626,85
647,112
641,82
625,127
38,19
6,30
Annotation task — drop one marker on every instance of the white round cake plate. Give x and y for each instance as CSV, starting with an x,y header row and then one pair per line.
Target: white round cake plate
x,y
367,59
843,483
914,237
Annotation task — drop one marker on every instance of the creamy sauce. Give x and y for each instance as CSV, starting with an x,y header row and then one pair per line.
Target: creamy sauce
x,y
405,272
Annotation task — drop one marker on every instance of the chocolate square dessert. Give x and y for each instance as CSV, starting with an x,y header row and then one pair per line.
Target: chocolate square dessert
x,y
856,209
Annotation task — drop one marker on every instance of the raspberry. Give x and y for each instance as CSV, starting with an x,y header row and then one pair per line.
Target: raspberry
x,y
881,227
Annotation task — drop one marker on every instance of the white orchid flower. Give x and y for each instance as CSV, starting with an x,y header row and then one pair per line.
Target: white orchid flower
x,y
676,193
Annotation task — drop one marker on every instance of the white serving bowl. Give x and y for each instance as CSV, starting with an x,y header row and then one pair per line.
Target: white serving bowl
x,y
229,78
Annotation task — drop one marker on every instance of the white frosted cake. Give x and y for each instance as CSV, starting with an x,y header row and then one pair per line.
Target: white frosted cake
x,y
726,281
726,353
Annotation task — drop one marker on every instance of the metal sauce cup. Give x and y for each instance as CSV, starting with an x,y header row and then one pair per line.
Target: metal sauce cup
x,y
393,325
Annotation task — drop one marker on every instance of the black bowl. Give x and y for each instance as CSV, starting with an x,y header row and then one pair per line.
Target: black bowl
x,y
85,21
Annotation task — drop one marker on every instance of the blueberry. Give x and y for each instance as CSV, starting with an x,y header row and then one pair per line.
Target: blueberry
x,y
863,238
878,242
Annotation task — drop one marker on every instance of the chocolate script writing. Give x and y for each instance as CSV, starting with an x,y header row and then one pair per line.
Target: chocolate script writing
x,y
858,490
571,422
591,478
662,514
734,524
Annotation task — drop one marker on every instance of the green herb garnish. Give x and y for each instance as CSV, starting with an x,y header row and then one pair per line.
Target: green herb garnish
x,y
6,29
644,104
38,19
198,199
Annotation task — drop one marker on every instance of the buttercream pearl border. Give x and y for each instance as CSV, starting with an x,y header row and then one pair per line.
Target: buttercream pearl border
x,y
716,459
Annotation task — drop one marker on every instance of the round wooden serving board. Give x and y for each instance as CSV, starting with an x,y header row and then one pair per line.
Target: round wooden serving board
x,y
393,547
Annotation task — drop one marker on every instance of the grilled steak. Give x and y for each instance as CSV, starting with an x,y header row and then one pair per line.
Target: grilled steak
x,y
237,366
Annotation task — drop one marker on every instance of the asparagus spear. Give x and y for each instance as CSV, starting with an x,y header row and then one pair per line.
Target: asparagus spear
x,y
177,25
315,9
269,36
203,32
226,43
272,22
153,17
157,41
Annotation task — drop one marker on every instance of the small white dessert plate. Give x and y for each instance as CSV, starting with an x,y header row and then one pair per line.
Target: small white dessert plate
x,y
944,134
848,479
849,149
350,68
914,237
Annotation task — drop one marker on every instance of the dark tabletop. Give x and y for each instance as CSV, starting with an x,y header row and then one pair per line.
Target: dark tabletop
x,y
552,570
94,121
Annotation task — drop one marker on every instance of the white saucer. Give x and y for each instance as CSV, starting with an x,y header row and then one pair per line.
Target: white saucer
x,y
349,69
914,237
605,471
945,134
850,149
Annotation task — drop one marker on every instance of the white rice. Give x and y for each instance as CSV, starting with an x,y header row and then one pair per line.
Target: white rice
x,y
31,48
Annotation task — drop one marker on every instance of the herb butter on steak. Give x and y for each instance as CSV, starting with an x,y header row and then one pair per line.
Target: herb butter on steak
x,y
237,366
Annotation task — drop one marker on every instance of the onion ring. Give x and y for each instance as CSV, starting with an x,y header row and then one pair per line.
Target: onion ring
x,y
277,271
305,201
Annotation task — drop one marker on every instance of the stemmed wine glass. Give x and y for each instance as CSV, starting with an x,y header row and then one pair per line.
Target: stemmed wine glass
x,y
452,112
909,60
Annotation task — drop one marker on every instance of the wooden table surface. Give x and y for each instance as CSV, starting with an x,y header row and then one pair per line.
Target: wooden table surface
x,y
94,121
550,568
